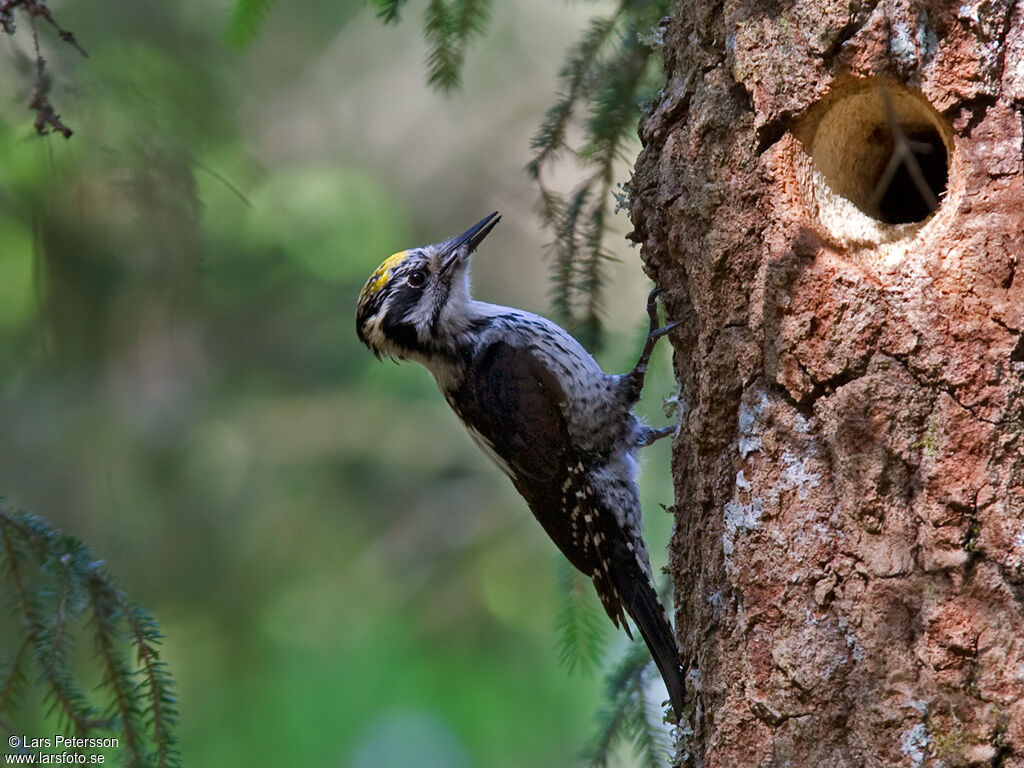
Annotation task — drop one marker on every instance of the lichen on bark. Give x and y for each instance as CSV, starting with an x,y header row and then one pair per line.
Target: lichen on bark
x,y
849,547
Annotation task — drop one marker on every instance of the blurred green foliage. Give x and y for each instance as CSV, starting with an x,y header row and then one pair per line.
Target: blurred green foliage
x,y
341,578
59,596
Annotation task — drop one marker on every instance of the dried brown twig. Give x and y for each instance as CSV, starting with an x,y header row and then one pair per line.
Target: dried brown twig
x,y
903,153
47,118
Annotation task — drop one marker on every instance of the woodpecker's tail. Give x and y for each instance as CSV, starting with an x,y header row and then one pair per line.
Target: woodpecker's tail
x,y
641,602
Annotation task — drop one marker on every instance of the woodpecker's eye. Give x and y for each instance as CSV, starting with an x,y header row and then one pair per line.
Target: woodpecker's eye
x,y
417,278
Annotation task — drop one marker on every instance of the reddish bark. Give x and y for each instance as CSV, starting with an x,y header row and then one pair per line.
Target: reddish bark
x,y
849,547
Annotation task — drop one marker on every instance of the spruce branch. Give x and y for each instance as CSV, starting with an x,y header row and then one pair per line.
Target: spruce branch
x,y
443,60
614,717
245,19
582,630
470,17
55,582
53,644
63,693
565,217
904,154
448,27
388,11
592,281
162,703
117,676
609,75
576,76
648,738
12,681
615,101
626,715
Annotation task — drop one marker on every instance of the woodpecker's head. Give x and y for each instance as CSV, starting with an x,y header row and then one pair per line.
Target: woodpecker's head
x,y
416,301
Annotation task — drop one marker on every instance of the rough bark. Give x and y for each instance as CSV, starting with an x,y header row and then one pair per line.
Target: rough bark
x,y
849,546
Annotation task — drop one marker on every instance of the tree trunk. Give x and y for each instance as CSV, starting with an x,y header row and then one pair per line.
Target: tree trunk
x,y
849,546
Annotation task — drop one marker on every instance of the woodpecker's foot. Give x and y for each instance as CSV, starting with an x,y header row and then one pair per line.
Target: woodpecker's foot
x,y
653,435
634,380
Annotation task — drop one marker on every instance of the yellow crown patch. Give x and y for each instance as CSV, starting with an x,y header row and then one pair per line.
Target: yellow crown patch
x,y
382,274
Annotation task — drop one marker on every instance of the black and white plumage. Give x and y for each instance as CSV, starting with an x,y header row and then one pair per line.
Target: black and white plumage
x,y
539,405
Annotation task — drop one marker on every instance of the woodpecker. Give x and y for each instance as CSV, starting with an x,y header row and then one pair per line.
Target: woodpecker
x,y
542,409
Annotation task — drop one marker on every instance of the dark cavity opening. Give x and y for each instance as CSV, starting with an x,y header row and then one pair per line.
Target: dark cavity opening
x,y
1017,356
914,189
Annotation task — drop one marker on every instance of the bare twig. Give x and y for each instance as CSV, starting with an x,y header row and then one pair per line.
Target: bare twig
x,y
47,119
903,150
40,101
36,8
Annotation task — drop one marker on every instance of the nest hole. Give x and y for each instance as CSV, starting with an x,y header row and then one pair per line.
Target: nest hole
x,y
880,160
1017,356
902,199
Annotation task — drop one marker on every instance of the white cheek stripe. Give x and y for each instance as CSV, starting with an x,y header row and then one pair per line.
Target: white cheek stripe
x,y
373,331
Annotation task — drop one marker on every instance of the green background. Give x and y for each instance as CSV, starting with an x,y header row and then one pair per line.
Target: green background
x,y
342,578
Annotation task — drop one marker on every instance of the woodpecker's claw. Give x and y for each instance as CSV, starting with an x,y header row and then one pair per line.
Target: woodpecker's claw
x,y
652,307
654,434
634,380
657,333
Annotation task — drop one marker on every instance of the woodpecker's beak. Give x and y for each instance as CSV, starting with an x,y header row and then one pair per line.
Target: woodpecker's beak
x,y
454,250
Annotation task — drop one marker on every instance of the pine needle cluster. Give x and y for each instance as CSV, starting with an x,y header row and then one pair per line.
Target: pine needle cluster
x,y
57,591
448,26
627,716
245,19
582,625
608,78
628,720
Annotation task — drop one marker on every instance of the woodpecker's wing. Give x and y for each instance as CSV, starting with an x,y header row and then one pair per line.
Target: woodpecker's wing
x,y
514,407
512,400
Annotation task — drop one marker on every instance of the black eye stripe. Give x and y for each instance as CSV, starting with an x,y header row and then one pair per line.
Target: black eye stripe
x,y
402,301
